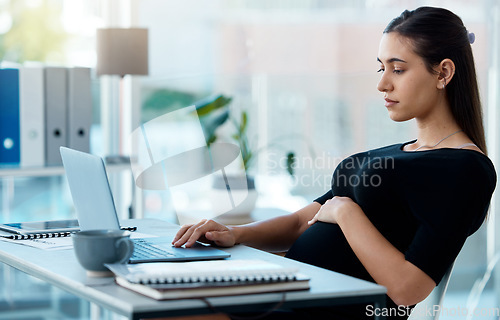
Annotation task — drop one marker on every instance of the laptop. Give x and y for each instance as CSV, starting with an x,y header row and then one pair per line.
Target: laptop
x,y
95,208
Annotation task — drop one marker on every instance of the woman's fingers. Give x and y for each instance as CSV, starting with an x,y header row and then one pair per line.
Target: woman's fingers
x,y
198,232
313,220
186,232
181,232
189,234
317,215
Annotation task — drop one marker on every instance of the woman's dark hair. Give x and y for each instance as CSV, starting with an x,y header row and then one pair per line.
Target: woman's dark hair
x,y
437,34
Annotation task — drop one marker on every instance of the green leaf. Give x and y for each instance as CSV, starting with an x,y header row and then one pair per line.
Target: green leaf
x,y
210,104
211,139
210,124
161,101
290,162
247,157
244,121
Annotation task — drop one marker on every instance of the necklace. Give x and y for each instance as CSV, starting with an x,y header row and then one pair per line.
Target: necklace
x,y
438,141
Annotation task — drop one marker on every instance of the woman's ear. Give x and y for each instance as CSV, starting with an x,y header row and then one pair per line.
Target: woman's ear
x,y
446,71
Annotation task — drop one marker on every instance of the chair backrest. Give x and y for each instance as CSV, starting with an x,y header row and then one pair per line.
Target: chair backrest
x,y
430,307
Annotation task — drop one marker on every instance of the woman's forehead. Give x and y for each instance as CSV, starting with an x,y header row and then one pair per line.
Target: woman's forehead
x,y
394,47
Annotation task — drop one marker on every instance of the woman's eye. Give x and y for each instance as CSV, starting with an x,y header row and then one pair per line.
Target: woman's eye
x,y
398,71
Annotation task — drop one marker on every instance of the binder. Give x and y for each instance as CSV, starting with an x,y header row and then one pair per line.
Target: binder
x,y
79,109
55,113
9,117
32,117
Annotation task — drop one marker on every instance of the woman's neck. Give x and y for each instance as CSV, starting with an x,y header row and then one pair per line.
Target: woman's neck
x,y
430,135
435,127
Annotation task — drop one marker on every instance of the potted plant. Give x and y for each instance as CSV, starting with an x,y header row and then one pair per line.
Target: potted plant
x,y
213,112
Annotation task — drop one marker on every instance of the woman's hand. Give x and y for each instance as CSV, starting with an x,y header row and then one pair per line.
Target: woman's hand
x,y
333,208
207,231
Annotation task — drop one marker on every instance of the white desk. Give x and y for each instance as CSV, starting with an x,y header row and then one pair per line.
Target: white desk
x,y
61,269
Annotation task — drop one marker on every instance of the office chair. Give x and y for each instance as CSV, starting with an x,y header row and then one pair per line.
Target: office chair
x,y
479,285
435,298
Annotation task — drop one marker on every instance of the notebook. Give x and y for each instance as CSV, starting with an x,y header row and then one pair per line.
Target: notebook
x,y
95,208
54,227
163,281
43,229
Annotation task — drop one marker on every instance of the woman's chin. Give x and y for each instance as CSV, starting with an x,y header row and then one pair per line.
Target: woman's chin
x,y
398,117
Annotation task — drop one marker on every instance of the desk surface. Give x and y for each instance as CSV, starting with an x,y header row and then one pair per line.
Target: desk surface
x,y
61,269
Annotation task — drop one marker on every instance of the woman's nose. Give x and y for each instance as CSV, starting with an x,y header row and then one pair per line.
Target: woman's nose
x,y
384,85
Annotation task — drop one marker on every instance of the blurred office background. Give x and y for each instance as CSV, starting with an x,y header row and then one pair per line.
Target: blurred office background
x,y
303,70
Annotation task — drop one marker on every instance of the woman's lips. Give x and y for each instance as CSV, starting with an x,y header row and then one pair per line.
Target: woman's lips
x,y
389,103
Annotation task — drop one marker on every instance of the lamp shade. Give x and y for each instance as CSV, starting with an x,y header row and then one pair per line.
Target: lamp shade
x,y
122,51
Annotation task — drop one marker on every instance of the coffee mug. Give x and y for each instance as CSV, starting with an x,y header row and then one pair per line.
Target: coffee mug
x,y
94,248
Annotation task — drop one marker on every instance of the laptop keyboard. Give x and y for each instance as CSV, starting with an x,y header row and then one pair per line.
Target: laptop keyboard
x,y
147,250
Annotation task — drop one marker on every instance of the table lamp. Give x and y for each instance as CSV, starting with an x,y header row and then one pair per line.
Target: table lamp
x,y
122,51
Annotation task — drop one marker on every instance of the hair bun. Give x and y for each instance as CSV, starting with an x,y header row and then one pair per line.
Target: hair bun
x,y
471,36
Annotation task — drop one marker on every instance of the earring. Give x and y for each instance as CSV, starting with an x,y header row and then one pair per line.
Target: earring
x,y
444,83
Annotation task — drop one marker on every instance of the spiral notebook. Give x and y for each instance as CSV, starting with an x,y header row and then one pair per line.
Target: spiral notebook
x,y
178,280
42,229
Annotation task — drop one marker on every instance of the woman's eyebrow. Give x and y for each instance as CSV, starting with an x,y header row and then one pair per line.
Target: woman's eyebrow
x,y
391,60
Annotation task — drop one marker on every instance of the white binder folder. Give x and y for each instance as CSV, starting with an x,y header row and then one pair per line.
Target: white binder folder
x,y
79,109
55,113
32,117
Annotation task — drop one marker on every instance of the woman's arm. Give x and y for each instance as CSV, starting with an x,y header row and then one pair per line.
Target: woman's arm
x,y
406,284
276,234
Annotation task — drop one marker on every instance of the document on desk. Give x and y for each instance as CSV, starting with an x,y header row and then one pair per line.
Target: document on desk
x,y
62,243
59,243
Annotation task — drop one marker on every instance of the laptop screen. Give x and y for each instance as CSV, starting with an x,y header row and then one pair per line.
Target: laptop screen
x,y
90,190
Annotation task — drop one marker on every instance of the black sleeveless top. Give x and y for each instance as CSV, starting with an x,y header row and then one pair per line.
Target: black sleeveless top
x,y
425,203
